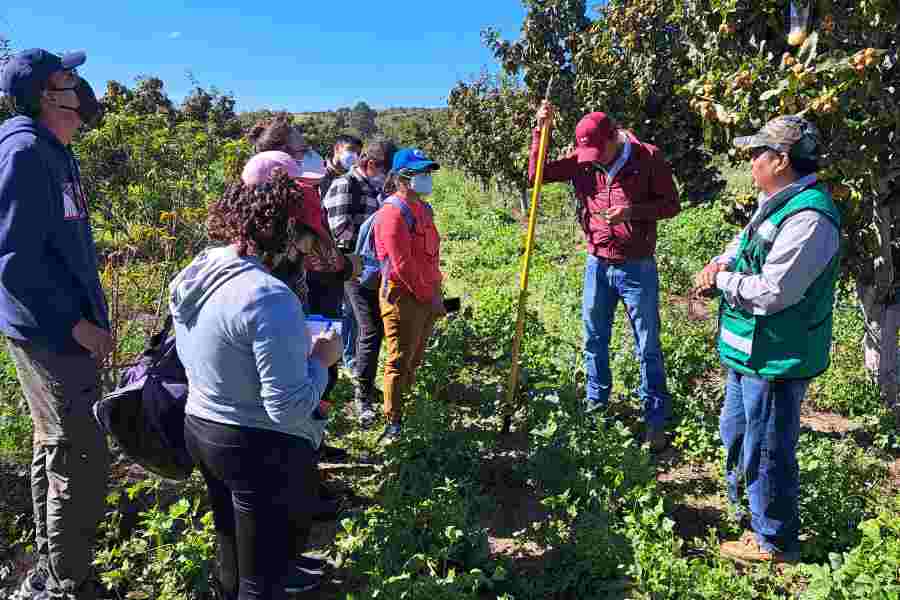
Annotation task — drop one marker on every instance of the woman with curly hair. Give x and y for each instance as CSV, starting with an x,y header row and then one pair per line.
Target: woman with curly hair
x,y
318,279
253,419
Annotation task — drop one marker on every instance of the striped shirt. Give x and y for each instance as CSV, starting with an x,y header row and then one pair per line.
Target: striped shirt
x,y
351,200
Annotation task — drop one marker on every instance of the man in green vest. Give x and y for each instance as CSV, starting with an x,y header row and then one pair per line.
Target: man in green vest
x,y
776,281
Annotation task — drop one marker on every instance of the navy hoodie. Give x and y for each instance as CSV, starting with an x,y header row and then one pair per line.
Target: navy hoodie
x,y
48,261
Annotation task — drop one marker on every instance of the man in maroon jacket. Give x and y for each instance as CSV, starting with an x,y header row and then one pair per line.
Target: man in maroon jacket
x,y
624,186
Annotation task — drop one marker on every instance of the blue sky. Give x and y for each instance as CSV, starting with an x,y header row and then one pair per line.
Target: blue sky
x,y
302,56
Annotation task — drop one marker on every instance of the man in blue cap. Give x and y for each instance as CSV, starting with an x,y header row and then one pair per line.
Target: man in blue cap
x,y
53,312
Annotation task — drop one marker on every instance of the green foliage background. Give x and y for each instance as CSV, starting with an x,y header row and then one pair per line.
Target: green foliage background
x,y
561,509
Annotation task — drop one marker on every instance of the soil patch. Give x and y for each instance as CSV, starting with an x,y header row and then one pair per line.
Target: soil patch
x,y
15,518
698,500
517,505
826,422
894,475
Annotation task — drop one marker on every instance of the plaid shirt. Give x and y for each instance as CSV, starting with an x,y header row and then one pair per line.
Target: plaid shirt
x,y
332,172
346,213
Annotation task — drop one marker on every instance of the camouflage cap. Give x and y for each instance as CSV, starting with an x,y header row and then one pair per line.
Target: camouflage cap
x,y
793,135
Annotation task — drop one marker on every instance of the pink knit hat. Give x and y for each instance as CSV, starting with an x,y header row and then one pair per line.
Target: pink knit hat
x,y
260,168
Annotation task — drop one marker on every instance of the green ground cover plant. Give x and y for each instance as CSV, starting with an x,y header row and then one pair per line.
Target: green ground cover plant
x,y
566,506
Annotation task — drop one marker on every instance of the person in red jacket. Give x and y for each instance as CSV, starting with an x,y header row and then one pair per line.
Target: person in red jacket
x,y
411,298
624,186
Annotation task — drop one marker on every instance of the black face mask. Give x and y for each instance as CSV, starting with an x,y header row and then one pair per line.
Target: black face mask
x,y
88,108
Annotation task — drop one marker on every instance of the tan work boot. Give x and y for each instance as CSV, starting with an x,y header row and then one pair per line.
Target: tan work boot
x,y
747,551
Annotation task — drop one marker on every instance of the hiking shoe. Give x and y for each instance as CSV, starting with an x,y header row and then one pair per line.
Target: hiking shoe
x,y
299,581
311,565
747,551
657,440
35,584
391,434
366,413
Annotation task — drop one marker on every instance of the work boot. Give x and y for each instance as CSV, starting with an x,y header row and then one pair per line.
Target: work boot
x,y
747,551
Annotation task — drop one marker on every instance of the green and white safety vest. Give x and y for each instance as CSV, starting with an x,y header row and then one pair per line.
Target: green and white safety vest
x,y
794,343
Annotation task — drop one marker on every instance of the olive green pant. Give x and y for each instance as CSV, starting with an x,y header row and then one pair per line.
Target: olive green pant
x,y
70,464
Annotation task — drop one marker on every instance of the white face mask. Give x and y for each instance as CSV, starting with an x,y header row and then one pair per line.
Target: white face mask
x,y
347,159
422,184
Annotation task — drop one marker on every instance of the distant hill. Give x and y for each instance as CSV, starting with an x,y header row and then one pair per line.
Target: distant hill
x,y
402,110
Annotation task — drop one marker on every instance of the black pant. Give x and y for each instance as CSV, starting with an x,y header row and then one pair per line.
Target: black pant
x,y
261,486
370,332
326,298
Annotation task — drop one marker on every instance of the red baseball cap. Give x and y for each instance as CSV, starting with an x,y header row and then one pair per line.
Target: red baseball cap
x,y
592,133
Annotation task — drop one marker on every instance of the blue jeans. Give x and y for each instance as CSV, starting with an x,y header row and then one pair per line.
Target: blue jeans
x,y
760,425
636,283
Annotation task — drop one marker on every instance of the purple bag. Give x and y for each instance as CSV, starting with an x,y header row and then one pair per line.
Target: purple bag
x,y
145,413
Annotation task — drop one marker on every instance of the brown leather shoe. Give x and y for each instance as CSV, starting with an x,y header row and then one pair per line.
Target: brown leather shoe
x,y
747,551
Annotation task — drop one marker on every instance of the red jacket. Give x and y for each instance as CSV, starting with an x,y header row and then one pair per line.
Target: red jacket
x,y
644,183
415,256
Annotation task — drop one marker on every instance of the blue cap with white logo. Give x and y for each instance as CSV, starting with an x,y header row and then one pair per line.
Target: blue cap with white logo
x,y
26,73
413,160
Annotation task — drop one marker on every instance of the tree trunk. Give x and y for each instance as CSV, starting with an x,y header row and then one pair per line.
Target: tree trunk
x,y
880,343
882,314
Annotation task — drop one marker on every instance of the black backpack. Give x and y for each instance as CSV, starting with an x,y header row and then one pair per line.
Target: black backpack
x,y
145,413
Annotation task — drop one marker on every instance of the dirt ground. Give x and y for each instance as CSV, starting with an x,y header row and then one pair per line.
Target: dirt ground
x,y
695,490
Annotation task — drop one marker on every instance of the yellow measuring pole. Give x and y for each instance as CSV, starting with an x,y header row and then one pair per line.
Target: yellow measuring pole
x,y
523,279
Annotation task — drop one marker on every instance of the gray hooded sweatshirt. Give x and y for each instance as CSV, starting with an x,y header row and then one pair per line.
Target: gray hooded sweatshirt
x,y
242,337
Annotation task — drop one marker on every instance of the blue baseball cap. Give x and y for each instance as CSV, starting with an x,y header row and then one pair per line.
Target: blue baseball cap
x,y
414,160
25,74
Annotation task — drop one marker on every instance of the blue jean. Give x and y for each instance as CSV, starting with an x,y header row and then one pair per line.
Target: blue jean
x,y
760,425
636,283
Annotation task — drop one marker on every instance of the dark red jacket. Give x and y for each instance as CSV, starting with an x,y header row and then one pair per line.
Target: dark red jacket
x,y
644,183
